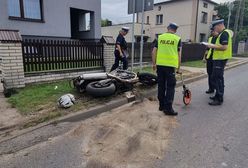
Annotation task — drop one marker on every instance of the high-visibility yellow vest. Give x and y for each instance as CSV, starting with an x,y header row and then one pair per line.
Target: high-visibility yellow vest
x,y
223,55
167,54
210,50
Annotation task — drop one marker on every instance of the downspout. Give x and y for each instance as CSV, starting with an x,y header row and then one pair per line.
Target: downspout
x,y
197,12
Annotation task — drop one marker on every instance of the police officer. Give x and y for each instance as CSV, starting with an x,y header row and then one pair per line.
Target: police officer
x,y
209,59
222,52
166,57
120,49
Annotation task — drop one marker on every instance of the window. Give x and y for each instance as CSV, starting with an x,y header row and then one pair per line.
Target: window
x,y
84,22
205,5
14,8
147,20
204,17
214,17
202,37
159,19
25,10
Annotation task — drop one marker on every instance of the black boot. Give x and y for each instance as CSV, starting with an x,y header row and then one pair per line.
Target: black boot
x,y
170,111
215,102
161,106
209,91
212,97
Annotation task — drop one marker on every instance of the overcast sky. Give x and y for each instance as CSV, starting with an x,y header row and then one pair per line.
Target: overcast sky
x,y
116,10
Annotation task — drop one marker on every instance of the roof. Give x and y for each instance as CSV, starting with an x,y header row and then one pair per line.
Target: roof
x,y
171,1
10,36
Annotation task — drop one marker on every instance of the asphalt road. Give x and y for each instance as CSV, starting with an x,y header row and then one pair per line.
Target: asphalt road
x,y
206,137
212,137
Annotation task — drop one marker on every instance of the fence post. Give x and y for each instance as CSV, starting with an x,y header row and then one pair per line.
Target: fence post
x,y
12,65
241,47
108,52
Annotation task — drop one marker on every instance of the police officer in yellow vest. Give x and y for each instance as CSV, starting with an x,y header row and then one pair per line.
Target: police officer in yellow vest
x,y
166,58
209,60
222,52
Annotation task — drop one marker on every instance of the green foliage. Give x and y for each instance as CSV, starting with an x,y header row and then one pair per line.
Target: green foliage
x,y
223,12
242,34
106,22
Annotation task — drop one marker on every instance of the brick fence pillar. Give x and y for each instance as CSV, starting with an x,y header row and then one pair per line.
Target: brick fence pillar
x,y
108,54
109,57
12,65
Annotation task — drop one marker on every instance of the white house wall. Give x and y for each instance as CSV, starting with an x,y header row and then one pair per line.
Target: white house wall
x,y
56,16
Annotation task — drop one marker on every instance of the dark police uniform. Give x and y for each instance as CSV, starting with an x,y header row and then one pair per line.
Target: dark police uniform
x,y
120,40
168,46
209,59
220,59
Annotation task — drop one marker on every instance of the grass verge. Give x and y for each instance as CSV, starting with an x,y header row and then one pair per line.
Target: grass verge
x,y
38,103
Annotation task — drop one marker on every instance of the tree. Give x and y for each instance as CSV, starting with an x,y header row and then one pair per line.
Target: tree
x,y
242,20
106,22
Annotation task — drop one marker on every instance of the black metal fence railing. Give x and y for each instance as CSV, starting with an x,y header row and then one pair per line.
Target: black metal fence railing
x,y
190,52
41,55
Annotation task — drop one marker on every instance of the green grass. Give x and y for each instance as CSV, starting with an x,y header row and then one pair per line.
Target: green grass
x,y
242,55
38,103
196,64
144,69
34,98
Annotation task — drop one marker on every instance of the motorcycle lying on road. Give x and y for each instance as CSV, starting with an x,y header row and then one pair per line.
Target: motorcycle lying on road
x,y
106,84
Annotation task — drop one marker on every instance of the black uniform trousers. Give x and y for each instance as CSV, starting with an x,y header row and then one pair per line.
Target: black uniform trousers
x,y
218,78
210,72
118,58
166,86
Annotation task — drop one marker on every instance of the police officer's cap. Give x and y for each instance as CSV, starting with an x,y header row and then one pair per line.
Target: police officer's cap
x,y
217,22
173,26
126,29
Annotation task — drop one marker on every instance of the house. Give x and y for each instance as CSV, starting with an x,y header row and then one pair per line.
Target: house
x,y
114,31
193,17
77,19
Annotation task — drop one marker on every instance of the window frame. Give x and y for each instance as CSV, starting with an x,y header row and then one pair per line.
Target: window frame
x,y
202,35
159,19
22,16
205,4
202,18
147,19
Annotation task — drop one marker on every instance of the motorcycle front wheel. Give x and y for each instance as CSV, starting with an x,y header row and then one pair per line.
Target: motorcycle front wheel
x,y
101,89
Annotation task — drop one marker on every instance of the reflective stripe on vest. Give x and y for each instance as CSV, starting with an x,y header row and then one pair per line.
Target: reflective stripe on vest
x,y
167,54
210,50
223,55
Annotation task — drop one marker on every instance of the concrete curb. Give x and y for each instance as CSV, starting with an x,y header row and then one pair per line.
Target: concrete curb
x,y
83,115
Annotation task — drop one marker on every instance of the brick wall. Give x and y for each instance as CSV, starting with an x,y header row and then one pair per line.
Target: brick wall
x,y
12,65
13,72
109,57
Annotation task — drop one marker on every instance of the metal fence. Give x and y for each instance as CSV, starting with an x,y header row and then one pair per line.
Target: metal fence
x,y
146,52
190,52
246,46
42,55
1,66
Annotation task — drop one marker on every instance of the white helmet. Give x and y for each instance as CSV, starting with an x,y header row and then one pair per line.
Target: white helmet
x,y
66,101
